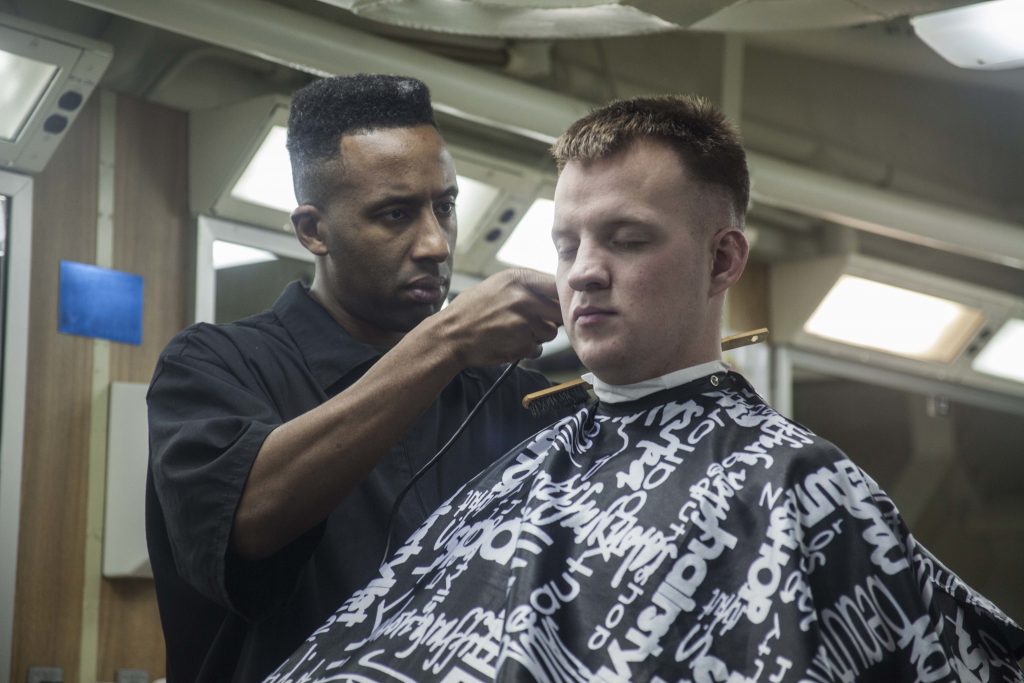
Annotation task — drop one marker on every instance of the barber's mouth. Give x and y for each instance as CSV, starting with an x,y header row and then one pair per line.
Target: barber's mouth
x,y
426,291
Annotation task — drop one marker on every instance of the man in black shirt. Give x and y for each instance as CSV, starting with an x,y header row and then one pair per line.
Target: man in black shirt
x,y
279,443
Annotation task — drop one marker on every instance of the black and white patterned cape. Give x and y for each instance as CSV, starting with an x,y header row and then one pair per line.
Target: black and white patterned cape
x,y
691,535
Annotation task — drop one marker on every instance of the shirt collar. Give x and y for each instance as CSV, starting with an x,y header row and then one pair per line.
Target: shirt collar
x,y
329,350
619,393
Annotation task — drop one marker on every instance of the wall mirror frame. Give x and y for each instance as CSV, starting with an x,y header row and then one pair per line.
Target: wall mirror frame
x,y
211,230
17,191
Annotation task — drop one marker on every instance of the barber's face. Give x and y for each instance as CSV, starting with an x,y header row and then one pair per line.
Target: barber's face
x,y
635,261
385,237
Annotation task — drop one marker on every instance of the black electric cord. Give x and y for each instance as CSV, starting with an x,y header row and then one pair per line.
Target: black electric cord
x,y
437,456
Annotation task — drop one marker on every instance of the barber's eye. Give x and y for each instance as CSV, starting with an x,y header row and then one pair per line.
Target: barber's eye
x,y
394,215
445,208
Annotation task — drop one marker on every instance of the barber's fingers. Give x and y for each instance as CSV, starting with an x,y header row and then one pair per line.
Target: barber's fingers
x,y
536,281
543,331
548,309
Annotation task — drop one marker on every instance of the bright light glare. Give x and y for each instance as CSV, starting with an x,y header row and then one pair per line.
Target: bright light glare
x,y
530,244
23,82
474,199
986,35
229,255
879,316
1004,355
267,180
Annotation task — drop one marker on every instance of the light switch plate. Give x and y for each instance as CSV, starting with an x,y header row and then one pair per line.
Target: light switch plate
x,y
45,674
131,676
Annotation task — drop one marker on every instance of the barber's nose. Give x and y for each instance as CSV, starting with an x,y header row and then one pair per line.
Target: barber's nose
x,y
588,270
433,239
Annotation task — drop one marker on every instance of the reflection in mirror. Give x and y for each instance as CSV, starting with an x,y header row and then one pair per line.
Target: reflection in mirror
x,y
952,466
249,280
241,270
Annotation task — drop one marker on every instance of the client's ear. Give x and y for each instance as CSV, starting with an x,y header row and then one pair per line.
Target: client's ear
x,y
307,219
729,258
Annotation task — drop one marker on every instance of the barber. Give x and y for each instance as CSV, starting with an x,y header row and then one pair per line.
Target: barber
x,y
279,443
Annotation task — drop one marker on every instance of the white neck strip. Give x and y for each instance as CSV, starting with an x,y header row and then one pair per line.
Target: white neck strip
x,y
619,393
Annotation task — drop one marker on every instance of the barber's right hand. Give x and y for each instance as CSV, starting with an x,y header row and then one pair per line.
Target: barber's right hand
x,y
504,318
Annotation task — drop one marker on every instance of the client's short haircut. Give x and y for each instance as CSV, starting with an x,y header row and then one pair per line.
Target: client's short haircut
x,y
709,146
329,108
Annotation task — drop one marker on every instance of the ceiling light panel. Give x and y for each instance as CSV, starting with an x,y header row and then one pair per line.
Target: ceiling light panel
x,y
267,178
232,255
986,35
890,316
1003,355
23,82
530,244
887,318
495,195
46,75
238,162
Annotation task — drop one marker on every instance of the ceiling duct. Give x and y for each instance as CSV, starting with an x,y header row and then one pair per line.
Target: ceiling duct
x,y
553,19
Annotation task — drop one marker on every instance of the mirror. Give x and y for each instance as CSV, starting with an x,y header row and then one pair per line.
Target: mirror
x,y
241,270
15,238
949,459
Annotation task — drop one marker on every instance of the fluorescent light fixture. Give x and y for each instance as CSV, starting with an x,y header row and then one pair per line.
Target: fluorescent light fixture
x,y
238,162
230,255
267,180
879,316
986,35
530,244
1003,356
46,75
475,198
22,84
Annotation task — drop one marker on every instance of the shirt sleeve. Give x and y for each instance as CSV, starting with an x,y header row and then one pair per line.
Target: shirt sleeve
x,y
208,419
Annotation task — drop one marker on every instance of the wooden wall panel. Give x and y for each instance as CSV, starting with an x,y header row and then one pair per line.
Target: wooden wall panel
x,y
153,238
48,601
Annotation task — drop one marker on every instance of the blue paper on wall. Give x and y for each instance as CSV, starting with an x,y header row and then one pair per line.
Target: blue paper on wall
x,y
100,302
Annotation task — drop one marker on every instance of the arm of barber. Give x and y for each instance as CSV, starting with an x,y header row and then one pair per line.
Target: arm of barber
x,y
308,465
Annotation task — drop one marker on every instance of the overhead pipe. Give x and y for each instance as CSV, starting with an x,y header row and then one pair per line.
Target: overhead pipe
x,y
884,212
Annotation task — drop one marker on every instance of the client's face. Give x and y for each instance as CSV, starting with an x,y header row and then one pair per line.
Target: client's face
x,y
634,266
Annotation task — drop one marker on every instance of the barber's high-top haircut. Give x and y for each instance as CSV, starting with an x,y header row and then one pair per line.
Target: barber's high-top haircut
x,y
707,143
329,108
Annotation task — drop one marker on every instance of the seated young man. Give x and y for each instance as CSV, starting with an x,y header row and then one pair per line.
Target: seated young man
x,y
679,529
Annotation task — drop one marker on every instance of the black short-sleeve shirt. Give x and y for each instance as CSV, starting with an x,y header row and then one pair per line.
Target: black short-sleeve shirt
x,y
217,392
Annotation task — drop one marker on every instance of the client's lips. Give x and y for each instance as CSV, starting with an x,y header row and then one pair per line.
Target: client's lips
x,y
426,290
591,315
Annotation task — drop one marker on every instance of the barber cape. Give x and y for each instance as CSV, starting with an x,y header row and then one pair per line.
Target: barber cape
x,y
692,534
